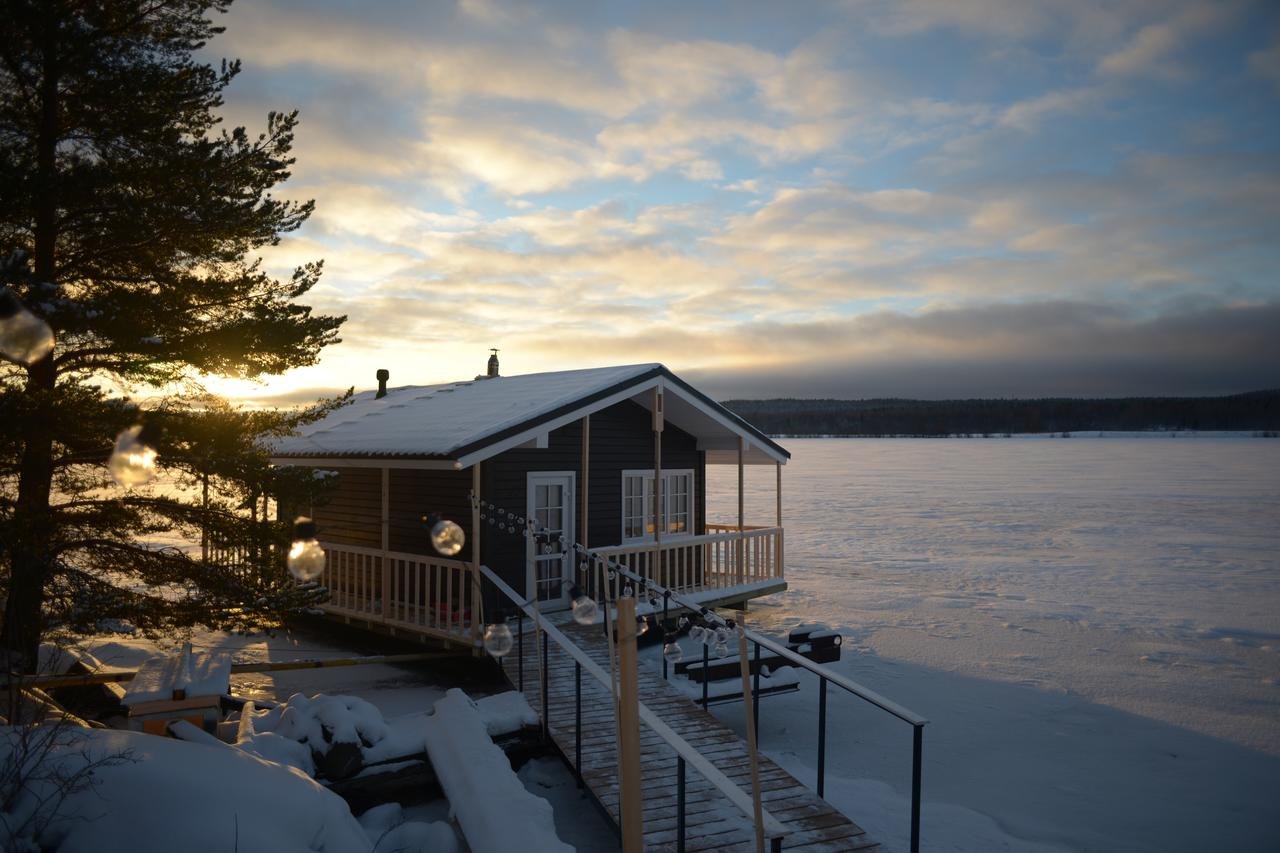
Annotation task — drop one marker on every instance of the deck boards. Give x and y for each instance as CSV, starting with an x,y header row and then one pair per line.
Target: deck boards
x,y
712,823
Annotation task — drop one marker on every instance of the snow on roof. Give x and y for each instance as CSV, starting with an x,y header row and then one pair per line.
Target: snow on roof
x,y
437,420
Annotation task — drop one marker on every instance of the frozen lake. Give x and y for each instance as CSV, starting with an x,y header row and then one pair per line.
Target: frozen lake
x,y
1091,624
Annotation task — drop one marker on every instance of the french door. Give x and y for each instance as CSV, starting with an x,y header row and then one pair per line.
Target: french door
x,y
550,506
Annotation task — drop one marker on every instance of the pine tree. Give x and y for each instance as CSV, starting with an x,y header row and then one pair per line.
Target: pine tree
x,y
143,220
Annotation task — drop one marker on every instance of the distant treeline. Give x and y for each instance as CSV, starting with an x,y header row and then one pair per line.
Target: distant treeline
x,y
1257,411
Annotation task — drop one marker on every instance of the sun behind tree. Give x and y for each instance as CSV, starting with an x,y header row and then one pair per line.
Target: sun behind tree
x,y
143,221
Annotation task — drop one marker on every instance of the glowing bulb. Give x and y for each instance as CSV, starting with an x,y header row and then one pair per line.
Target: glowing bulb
x,y
722,636
671,649
447,536
497,639
306,557
721,650
584,607
24,337
628,591
133,462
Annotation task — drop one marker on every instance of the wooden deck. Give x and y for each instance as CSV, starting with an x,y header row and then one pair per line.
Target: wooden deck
x,y
712,822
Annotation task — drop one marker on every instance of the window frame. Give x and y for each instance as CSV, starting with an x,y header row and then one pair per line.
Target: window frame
x,y
646,476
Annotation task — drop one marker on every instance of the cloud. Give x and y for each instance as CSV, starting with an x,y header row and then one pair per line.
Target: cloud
x,y
1151,50
1266,62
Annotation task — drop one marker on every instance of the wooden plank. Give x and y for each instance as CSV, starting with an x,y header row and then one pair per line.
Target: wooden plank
x,y
710,823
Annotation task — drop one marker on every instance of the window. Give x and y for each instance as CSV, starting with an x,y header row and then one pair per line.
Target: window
x,y
637,504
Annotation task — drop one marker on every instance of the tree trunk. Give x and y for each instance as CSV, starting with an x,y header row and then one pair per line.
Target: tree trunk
x,y
32,553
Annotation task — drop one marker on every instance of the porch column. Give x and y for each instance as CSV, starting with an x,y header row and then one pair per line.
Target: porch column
x,y
659,420
477,601
738,551
585,488
386,543
777,565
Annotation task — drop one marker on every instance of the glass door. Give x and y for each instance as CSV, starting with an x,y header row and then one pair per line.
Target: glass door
x,y
550,502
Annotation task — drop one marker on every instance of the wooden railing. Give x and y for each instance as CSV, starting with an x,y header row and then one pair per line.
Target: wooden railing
x,y
713,561
429,594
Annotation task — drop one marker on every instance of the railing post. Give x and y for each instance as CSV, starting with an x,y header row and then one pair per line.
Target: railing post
x,y
755,696
917,748
577,727
706,682
666,600
542,677
520,650
679,804
822,734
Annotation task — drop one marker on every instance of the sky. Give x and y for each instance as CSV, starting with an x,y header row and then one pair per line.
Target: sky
x,y
910,198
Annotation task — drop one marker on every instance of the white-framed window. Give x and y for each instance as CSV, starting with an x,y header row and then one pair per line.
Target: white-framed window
x,y
676,516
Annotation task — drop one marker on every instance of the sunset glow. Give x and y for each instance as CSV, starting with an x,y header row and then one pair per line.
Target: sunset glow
x,y
854,199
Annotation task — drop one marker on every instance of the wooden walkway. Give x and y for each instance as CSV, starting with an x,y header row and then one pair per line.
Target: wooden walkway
x,y
712,822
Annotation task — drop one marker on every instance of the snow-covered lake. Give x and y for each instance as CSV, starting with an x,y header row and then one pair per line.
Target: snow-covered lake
x,y
1091,624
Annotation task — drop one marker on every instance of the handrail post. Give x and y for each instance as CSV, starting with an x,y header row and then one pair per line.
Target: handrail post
x,y
679,804
706,682
822,734
542,677
520,650
755,696
577,728
917,749
666,600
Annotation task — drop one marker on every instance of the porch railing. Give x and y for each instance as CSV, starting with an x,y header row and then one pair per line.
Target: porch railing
x,y
430,594
712,561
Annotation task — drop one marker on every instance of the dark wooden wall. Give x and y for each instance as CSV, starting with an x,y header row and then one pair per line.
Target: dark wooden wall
x,y
621,439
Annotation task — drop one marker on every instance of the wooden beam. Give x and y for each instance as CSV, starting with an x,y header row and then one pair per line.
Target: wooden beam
x,y
631,795
749,712
740,550
386,543
584,524
659,421
477,602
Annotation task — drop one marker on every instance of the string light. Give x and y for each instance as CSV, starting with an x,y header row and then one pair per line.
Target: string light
x,y
642,626
133,461
24,337
447,537
497,639
584,606
671,649
306,557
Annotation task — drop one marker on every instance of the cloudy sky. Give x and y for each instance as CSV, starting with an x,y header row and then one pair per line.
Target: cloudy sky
x,y
929,198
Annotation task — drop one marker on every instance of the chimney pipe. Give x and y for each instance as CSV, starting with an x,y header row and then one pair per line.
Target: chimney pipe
x,y
383,376
493,364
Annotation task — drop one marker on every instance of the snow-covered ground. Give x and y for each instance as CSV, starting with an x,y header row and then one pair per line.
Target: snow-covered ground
x,y
1091,625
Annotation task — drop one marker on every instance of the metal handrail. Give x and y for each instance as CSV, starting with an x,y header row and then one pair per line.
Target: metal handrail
x,y
687,753
916,721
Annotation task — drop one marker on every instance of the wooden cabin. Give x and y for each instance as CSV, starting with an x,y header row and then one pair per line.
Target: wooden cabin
x,y
587,453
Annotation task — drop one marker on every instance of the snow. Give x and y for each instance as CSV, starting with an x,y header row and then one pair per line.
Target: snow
x,y
197,674
504,713
388,829
1092,627
495,811
169,794
439,419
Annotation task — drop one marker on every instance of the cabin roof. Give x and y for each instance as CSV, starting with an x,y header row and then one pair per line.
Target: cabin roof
x,y
460,423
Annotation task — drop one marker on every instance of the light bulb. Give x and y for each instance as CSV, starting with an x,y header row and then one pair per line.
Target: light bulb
x,y
447,536
695,633
584,607
642,625
671,649
133,461
721,650
628,591
497,639
306,557
683,623
722,636
24,337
